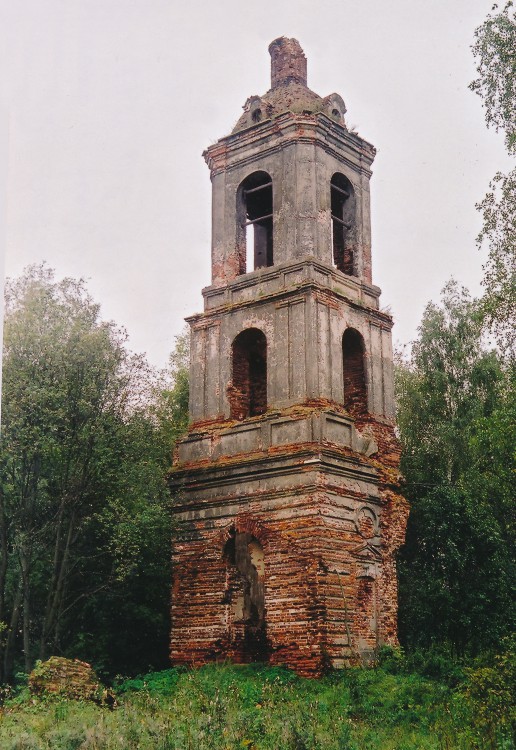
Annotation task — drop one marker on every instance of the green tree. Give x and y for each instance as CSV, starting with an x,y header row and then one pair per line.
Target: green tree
x,y
172,393
84,516
126,628
494,50
455,414
495,42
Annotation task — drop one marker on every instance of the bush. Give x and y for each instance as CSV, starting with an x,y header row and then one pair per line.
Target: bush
x,y
155,683
391,659
490,691
436,662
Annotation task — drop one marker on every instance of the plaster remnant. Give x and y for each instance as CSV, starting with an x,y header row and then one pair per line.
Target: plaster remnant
x,y
287,488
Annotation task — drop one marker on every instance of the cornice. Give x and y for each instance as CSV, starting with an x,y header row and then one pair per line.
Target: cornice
x,y
269,137
221,300
231,469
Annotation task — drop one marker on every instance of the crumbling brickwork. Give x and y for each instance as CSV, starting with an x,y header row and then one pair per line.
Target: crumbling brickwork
x,y
328,523
287,503
247,391
288,62
355,393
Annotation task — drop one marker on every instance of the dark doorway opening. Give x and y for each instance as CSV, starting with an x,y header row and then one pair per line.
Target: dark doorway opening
x,y
245,596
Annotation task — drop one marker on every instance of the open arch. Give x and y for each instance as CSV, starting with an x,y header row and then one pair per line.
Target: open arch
x,y
353,355
245,595
248,390
255,224
343,224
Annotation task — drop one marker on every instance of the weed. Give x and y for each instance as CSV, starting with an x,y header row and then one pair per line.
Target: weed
x,y
256,707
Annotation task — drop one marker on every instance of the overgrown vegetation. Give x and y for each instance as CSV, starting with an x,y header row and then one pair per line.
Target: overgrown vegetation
x,y
262,708
456,415
87,431
495,42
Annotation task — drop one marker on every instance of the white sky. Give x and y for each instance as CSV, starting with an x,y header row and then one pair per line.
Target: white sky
x,y
110,104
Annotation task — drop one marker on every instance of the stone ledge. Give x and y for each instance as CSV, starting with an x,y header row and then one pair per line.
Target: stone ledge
x,y
258,436
265,283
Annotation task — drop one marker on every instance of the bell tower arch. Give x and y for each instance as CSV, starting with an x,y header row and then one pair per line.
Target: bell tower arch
x,y
318,173
291,436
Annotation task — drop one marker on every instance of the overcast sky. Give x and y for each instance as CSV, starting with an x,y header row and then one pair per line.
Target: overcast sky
x,y
108,105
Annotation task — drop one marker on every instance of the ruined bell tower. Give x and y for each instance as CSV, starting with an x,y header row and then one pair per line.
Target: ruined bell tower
x,y
287,506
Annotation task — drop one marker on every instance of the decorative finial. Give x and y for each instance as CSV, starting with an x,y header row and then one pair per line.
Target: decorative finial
x,y
288,62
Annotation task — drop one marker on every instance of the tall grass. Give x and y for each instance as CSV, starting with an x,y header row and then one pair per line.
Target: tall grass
x,y
253,707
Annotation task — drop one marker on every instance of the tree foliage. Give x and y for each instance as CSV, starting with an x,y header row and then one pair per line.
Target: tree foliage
x,y
456,413
499,234
495,42
494,50
84,519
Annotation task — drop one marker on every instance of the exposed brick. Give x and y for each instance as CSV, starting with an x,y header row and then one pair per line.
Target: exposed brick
x,y
288,62
317,607
287,503
247,391
355,395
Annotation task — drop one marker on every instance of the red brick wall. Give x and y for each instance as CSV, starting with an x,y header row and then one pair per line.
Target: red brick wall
x,y
202,625
329,583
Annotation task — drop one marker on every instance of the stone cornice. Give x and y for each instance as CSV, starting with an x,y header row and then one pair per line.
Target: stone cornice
x,y
232,469
259,141
273,284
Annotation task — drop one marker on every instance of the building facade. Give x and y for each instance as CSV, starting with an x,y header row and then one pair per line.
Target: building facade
x,y
287,505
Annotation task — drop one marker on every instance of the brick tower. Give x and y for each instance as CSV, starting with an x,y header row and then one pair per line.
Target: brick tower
x,y
288,513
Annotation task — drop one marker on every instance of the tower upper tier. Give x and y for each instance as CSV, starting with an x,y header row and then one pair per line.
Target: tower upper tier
x,y
290,181
289,91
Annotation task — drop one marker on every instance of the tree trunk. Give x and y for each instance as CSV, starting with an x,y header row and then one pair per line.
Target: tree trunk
x,y
3,555
55,597
25,568
11,636
52,587
3,575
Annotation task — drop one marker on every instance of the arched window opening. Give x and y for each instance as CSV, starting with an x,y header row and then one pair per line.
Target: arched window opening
x,y
355,390
248,390
256,225
245,596
343,223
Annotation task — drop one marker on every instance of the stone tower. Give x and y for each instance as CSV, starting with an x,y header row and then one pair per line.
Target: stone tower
x,y
288,513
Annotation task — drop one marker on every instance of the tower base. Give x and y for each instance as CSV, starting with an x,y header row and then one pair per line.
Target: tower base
x,y
285,549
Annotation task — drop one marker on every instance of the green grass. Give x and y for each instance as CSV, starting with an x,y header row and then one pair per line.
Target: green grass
x,y
227,707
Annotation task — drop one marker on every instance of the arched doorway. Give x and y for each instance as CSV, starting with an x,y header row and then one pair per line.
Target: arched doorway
x,y
245,596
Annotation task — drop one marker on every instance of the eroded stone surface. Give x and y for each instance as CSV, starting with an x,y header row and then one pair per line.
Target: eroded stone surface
x,y
286,487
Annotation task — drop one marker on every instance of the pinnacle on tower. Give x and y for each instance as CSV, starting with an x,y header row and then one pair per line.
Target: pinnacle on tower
x,y
288,62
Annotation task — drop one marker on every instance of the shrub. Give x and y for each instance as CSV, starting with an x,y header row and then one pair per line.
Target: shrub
x,y
490,692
